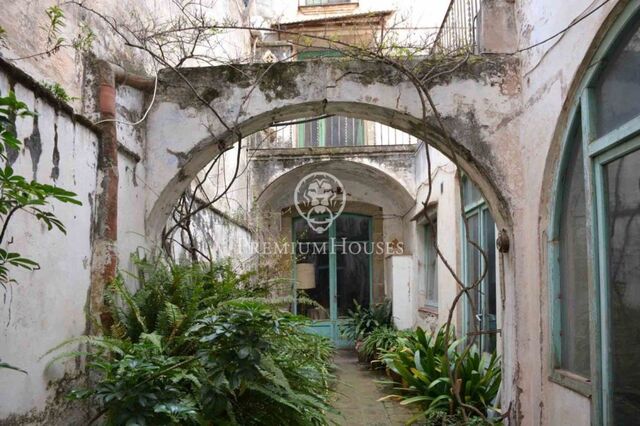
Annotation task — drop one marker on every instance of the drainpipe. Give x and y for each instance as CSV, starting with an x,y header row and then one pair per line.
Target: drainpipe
x,y
104,261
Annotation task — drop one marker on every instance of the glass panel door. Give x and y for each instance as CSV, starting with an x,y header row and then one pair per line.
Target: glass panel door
x,y
481,305
334,270
619,189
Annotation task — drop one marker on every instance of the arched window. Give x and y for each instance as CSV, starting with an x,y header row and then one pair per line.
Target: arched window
x,y
573,292
594,247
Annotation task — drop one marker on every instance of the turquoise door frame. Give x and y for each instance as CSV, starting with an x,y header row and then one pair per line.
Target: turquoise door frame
x,y
599,147
331,327
602,264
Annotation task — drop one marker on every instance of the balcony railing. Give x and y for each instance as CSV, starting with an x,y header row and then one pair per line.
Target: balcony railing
x,y
457,34
321,2
334,131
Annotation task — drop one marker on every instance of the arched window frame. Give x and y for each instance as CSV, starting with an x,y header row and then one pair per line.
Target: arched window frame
x,y
597,150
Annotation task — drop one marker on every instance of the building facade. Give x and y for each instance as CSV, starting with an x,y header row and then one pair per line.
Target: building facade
x,y
544,131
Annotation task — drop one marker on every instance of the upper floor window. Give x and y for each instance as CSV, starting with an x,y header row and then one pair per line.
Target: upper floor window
x,y
331,131
322,2
431,264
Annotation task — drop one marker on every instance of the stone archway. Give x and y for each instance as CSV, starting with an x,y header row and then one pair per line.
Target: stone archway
x,y
479,104
183,134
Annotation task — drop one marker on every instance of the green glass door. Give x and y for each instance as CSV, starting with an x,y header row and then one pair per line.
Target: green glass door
x,y
617,175
333,269
480,308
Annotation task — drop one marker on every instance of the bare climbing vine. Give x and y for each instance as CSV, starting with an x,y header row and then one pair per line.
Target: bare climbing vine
x,y
190,36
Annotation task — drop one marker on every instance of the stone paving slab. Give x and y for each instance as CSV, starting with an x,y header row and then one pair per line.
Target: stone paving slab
x,y
358,395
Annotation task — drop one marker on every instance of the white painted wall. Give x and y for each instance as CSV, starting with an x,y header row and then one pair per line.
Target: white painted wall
x,y
445,193
398,269
47,306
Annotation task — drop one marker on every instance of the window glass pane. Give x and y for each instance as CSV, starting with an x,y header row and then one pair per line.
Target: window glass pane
x,y
335,131
470,193
431,265
618,88
489,311
353,277
483,296
472,271
311,133
318,290
353,228
303,232
574,291
332,131
623,213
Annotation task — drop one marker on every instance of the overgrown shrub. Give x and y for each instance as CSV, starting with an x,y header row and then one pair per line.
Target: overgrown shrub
x,y
380,341
200,344
362,321
426,362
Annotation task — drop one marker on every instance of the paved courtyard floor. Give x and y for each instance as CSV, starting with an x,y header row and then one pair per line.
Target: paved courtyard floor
x,y
358,394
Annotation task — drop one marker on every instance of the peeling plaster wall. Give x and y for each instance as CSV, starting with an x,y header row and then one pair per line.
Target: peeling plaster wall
x,y
548,74
132,185
445,193
224,238
477,105
47,306
67,66
297,90
366,179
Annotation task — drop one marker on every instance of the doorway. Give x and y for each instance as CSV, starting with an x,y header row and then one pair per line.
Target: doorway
x,y
333,272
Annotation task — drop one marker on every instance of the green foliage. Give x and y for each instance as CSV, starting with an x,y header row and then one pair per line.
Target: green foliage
x,y
380,341
443,418
141,384
362,321
54,30
427,362
19,194
259,356
58,91
3,37
172,296
199,344
83,40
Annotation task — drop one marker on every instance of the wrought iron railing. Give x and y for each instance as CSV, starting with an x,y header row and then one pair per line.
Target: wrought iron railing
x,y
321,2
333,131
458,30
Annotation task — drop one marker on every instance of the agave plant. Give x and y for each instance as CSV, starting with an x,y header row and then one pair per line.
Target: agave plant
x,y
426,363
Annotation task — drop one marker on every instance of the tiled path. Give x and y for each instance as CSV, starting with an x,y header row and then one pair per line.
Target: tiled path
x,y
358,394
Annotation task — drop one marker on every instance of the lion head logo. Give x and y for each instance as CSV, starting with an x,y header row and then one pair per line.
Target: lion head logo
x,y
319,198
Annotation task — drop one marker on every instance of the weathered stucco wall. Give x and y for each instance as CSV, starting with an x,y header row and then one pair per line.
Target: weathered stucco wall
x,y
445,193
47,306
68,66
132,185
506,116
549,74
287,91
477,105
